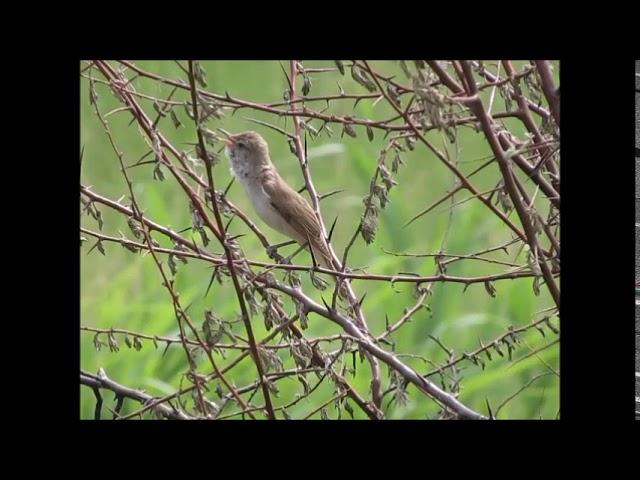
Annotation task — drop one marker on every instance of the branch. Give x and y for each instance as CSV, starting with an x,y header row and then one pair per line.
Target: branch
x,y
227,250
104,382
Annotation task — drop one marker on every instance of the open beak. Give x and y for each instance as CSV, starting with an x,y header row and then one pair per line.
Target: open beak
x,y
229,141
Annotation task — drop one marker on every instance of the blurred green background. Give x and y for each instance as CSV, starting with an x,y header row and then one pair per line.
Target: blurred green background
x,y
123,289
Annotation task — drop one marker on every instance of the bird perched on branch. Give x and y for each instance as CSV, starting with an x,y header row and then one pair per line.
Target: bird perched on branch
x,y
275,202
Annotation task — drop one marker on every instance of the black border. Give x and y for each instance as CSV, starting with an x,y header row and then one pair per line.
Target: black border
x,y
596,348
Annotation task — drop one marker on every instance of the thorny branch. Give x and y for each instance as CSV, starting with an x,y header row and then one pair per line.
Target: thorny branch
x,y
101,381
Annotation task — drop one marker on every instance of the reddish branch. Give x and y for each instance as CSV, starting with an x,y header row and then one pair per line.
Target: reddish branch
x,y
507,174
228,253
101,381
553,97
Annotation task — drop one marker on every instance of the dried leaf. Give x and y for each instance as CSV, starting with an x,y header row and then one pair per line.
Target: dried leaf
x,y
128,246
304,321
505,201
270,359
348,408
175,119
134,226
212,328
172,264
388,181
348,129
97,343
405,68
369,226
113,343
380,192
98,217
200,74
397,161
306,85
491,290
536,285
362,77
99,246
305,384
393,94
317,282
292,147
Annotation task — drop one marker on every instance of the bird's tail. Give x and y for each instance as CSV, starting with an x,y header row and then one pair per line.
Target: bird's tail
x,y
322,254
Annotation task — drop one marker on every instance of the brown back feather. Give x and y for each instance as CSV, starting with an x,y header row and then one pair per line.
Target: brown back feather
x,y
299,214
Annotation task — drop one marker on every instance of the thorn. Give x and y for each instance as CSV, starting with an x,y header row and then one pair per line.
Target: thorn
x,y
235,237
331,230
362,299
305,146
286,76
226,190
334,296
313,257
268,125
215,270
329,309
94,246
283,244
226,133
327,195
141,159
139,164
491,417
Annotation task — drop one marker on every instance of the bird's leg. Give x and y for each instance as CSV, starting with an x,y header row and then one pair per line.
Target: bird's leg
x,y
272,250
298,250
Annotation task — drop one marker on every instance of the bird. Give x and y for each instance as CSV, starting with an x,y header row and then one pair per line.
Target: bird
x,y
276,203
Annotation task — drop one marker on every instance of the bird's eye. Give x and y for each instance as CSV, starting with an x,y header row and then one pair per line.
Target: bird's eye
x,y
241,144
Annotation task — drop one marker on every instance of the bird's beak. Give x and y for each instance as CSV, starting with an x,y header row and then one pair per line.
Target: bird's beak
x,y
229,141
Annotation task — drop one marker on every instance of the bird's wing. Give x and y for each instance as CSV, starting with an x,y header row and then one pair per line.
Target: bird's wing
x,y
297,212
293,208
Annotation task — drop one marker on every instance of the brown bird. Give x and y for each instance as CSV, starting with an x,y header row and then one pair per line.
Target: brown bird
x,y
275,202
